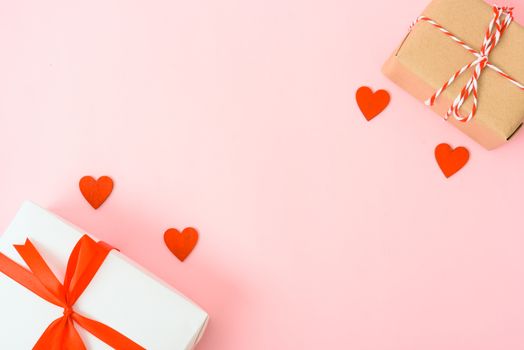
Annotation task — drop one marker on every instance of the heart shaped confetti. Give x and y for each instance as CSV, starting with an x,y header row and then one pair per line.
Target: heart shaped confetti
x,y
181,244
96,191
451,160
372,103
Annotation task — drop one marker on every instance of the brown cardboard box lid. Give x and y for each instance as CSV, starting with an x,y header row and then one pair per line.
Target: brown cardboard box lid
x,y
434,58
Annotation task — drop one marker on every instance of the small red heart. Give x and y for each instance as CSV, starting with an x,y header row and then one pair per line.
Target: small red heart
x,y
451,160
181,244
372,104
96,191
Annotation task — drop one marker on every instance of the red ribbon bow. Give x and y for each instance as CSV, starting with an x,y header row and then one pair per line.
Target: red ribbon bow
x,y
84,262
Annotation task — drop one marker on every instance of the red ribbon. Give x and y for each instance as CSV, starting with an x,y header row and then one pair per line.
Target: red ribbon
x,y
84,262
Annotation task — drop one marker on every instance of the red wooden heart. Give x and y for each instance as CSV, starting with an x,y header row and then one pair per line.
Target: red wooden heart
x,y
372,104
181,244
96,191
451,160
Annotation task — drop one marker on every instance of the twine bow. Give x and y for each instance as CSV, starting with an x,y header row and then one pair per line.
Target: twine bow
x,y
85,260
502,18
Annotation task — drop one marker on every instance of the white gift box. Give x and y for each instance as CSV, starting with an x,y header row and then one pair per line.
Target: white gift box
x,y
122,294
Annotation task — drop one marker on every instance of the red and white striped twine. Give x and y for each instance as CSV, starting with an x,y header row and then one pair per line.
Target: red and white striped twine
x,y
502,17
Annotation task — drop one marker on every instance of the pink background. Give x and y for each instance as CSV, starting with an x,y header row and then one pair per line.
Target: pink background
x,y
318,229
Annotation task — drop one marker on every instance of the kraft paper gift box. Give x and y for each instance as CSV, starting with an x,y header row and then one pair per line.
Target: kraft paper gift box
x,y
427,58
121,295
